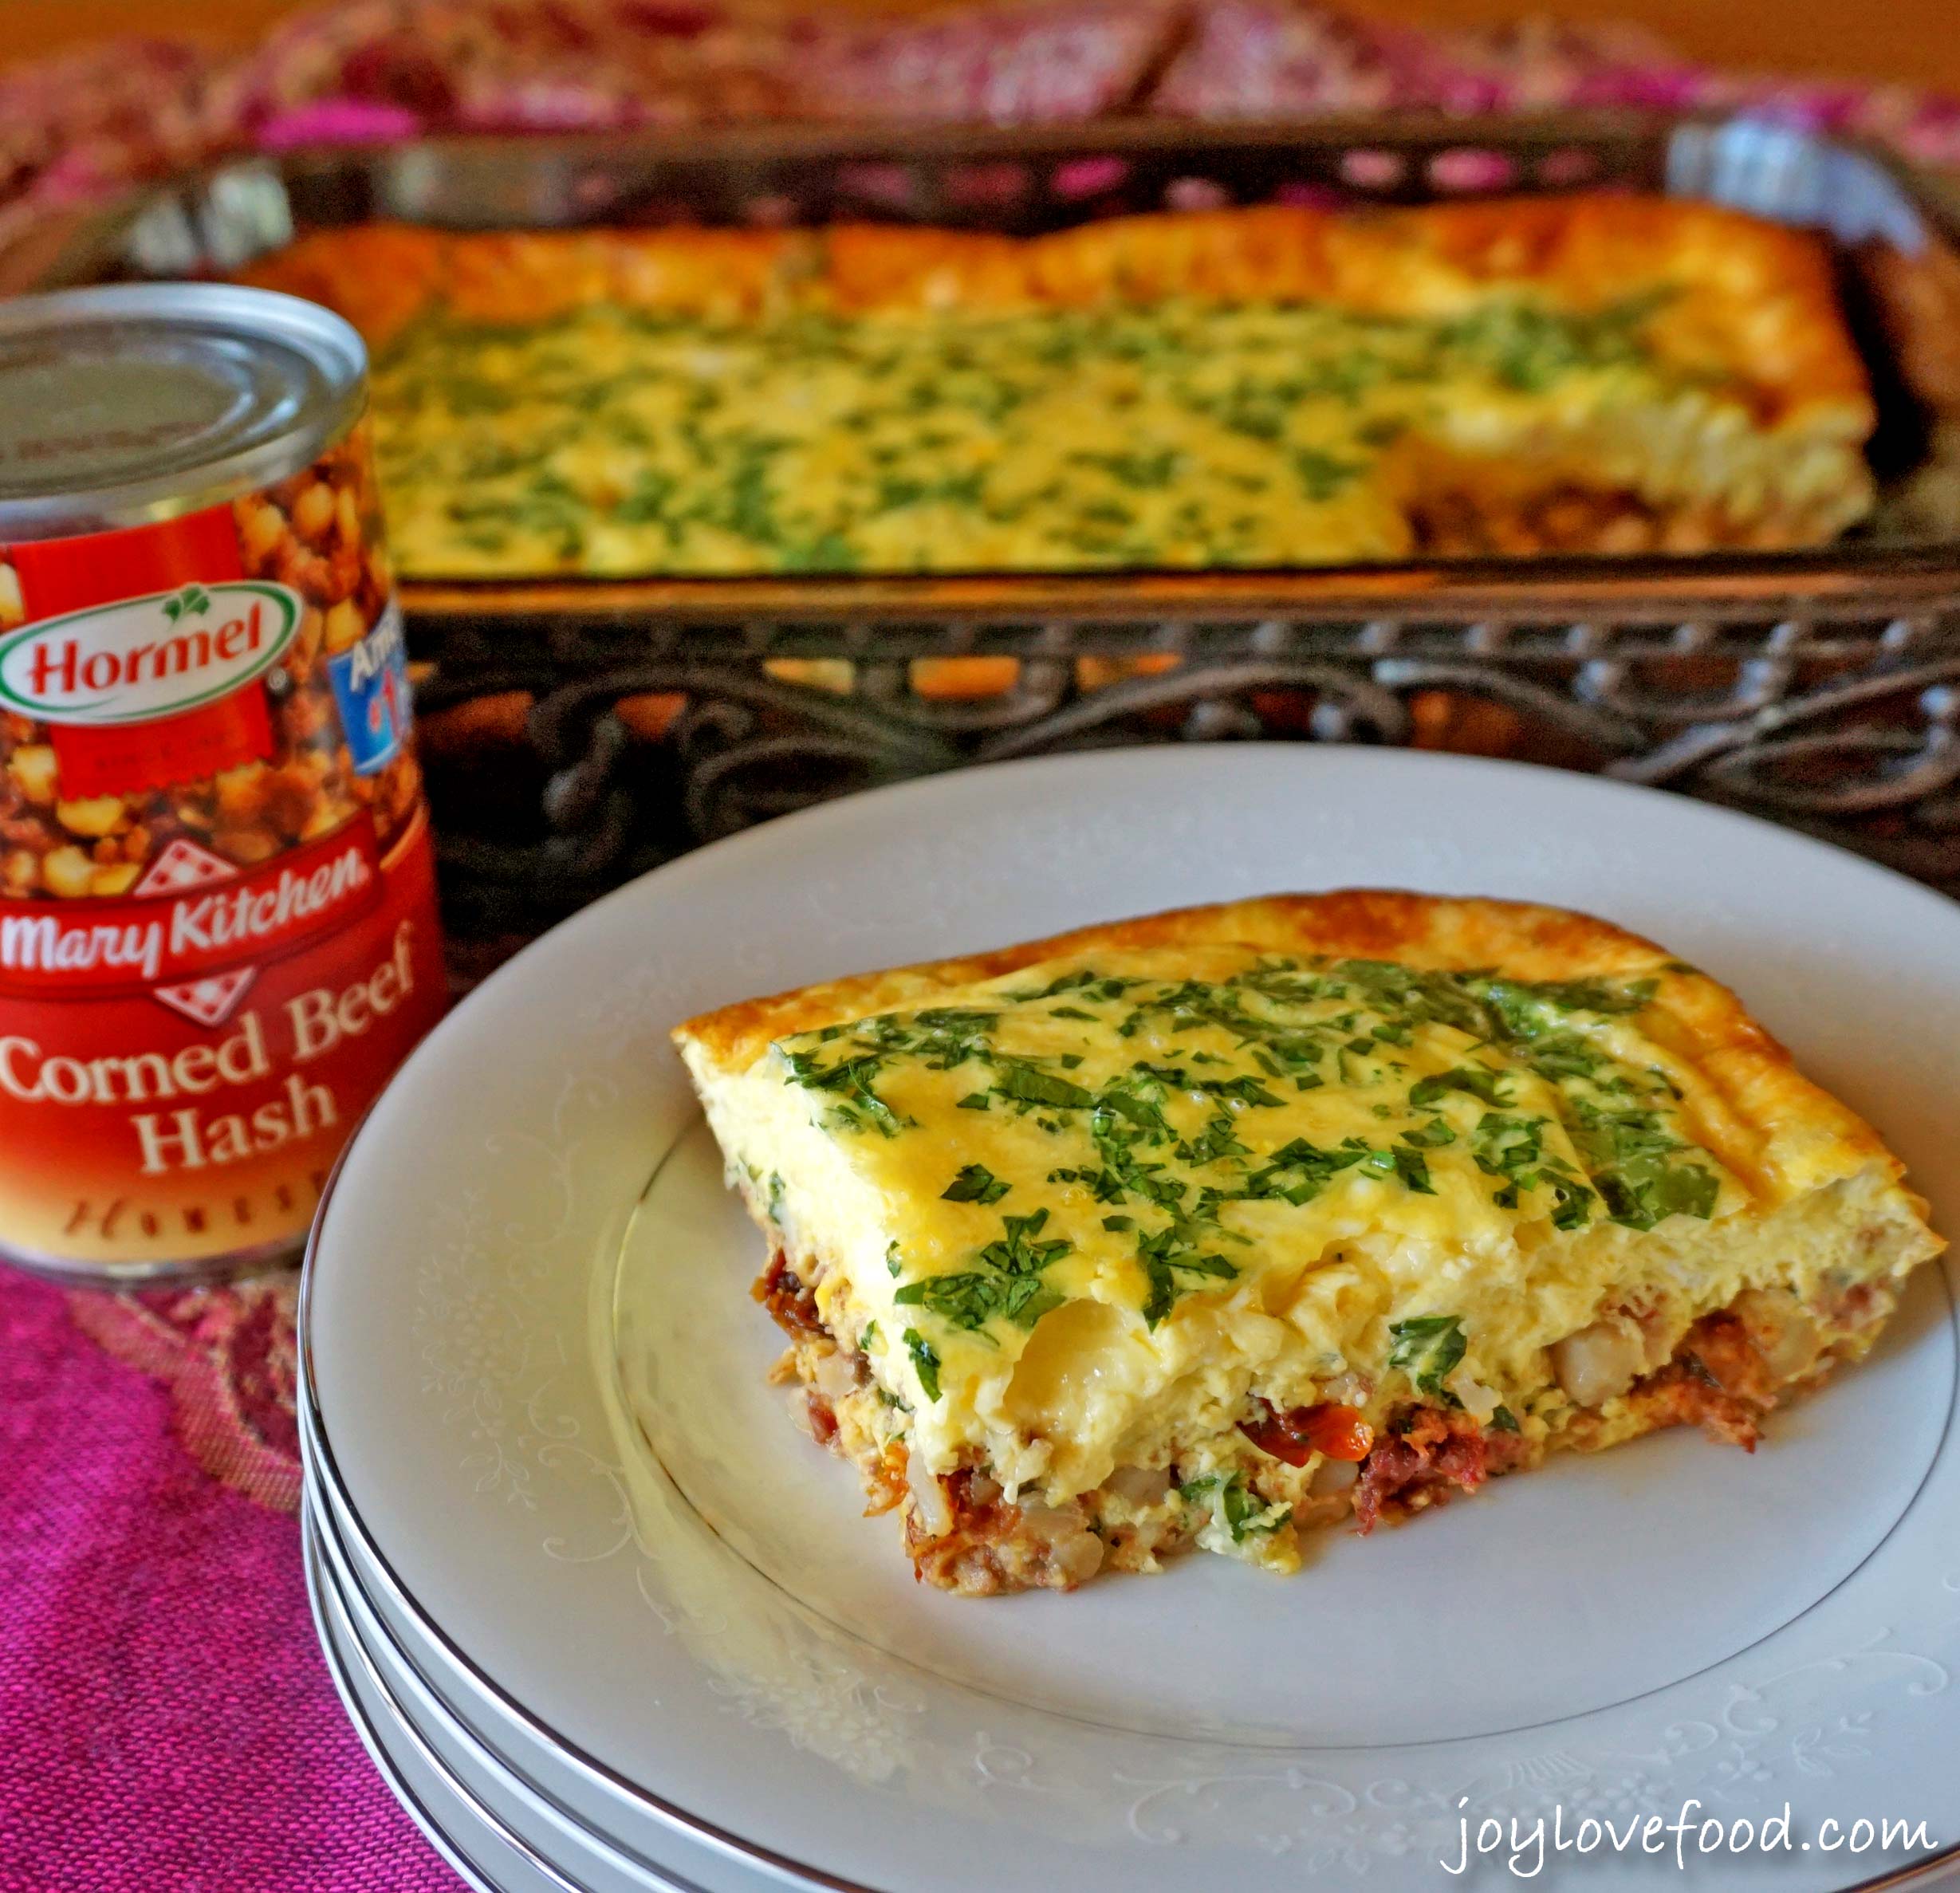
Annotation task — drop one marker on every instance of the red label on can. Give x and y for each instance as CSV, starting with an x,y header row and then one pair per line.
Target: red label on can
x,y
66,575
217,930
178,749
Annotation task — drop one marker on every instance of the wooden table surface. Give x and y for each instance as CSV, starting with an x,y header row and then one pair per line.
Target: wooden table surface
x,y
1917,40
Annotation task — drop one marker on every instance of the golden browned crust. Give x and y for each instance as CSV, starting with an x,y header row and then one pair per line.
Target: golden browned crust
x,y
1767,1122
1750,302
381,276
1419,930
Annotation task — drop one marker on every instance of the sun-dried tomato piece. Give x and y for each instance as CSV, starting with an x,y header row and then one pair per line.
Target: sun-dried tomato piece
x,y
1330,1429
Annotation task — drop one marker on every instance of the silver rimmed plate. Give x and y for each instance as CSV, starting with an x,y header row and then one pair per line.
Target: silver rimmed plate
x,y
421,1710
488,1822
487,1855
536,1398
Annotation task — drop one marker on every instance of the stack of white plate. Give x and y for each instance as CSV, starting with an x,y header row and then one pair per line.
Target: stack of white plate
x,y
607,1623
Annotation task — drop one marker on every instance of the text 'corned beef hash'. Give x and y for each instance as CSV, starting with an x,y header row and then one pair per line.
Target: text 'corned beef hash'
x,y
1207,1227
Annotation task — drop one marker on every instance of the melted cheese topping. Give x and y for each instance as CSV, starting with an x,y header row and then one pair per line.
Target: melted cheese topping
x,y
1179,433
1073,1216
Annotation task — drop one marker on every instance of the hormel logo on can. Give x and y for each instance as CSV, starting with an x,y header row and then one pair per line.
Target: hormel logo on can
x,y
141,659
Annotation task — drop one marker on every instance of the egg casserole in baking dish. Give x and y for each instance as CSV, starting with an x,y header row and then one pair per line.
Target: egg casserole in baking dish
x,y
1268,387
1208,1227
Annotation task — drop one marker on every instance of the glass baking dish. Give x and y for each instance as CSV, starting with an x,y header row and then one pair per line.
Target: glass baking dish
x,y
1814,686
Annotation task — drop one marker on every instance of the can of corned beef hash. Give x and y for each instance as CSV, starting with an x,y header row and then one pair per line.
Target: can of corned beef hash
x,y
218,927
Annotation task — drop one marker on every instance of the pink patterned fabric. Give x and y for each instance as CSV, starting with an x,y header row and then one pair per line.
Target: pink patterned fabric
x,y
1273,57
76,127
574,65
167,1724
227,1356
1253,58
502,65
1025,64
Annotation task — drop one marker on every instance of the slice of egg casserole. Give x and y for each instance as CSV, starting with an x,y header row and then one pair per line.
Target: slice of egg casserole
x,y
1207,1227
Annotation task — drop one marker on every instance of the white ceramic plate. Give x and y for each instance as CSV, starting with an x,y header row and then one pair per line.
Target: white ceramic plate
x,y
493,1798
487,1862
646,1571
490,1826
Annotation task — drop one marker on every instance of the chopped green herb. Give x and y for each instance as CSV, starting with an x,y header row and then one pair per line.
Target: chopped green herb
x,y
1321,475
925,1360
1241,1510
966,1298
1027,1084
1299,1171
1247,1090
1520,1006
975,1183
1643,1173
1512,1147
1217,1141
1166,1258
1428,1348
1431,1136
1640,1196
1475,1081
851,1080
1007,1282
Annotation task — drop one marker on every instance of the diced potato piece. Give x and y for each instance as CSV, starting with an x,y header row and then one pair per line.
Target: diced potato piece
x,y
68,873
262,526
245,846
345,626
241,791
312,512
1599,1363
33,767
118,877
94,816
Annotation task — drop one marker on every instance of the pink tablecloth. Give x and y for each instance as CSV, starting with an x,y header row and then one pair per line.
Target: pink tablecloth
x,y
167,1724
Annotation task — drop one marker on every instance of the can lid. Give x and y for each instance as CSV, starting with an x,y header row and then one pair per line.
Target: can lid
x,y
141,401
